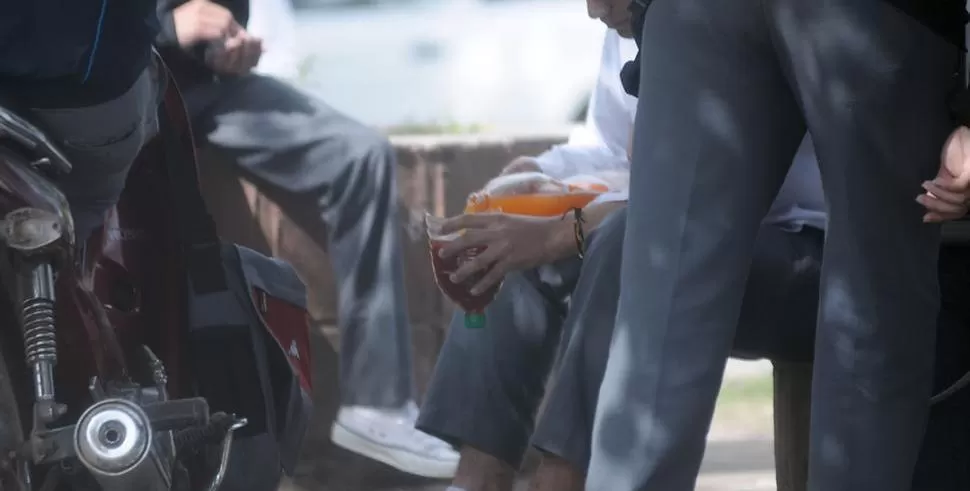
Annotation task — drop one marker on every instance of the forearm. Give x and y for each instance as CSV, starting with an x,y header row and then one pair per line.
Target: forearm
x,y
562,244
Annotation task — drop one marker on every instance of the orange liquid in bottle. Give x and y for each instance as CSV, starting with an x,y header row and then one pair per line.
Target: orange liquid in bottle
x,y
537,205
460,293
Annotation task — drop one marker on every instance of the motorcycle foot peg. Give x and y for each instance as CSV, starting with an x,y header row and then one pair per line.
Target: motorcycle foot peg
x,y
113,439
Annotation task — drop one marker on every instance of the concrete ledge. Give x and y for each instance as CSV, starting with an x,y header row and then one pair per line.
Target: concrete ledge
x,y
492,139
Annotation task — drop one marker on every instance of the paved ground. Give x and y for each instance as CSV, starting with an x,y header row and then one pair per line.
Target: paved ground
x,y
746,465
728,466
739,455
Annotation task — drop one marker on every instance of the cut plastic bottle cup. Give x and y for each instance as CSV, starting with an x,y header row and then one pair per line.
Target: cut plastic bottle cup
x,y
433,224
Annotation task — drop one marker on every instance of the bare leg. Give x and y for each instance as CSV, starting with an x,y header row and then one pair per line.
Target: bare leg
x,y
557,474
479,471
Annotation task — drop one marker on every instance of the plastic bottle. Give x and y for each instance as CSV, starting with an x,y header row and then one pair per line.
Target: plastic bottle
x,y
535,194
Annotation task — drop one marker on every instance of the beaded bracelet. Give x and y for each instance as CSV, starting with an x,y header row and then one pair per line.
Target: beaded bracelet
x,y
578,234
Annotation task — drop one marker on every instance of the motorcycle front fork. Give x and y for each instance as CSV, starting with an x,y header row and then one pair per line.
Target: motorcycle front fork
x,y
101,455
36,308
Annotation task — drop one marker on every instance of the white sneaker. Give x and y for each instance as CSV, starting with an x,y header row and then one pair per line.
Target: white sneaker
x,y
389,436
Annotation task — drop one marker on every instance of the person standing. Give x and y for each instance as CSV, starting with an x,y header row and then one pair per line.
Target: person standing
x,y
730,88
336,179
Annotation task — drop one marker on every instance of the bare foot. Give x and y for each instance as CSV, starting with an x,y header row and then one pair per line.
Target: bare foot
x,y
479,471
557,474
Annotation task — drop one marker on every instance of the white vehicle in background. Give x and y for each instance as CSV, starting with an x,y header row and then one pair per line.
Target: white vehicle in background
x,y
506,64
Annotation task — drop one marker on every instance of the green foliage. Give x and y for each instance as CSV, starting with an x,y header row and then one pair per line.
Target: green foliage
x,y
746,390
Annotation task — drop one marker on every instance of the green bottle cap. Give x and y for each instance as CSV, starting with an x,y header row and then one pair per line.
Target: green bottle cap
x,y
475,320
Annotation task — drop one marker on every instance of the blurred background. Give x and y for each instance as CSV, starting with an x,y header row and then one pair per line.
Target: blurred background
x,y
444,66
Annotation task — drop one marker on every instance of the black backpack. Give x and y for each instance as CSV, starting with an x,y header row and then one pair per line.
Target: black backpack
x,y
248,326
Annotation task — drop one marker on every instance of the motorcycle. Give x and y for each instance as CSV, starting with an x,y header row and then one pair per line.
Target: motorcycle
x,y
97,387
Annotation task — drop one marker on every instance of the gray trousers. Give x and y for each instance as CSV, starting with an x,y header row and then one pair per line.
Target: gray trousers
x,y
488,383
727,90
336,179
101,142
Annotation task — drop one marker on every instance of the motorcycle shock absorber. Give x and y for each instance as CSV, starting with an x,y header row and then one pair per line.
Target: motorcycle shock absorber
x,y
40,337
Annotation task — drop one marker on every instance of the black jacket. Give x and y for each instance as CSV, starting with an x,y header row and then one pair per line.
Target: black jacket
x,y
73,53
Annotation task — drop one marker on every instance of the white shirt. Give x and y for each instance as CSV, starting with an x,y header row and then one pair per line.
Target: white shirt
x,y
602,146
275,22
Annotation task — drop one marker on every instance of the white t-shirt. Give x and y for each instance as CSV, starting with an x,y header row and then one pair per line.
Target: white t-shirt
x,y
601,145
